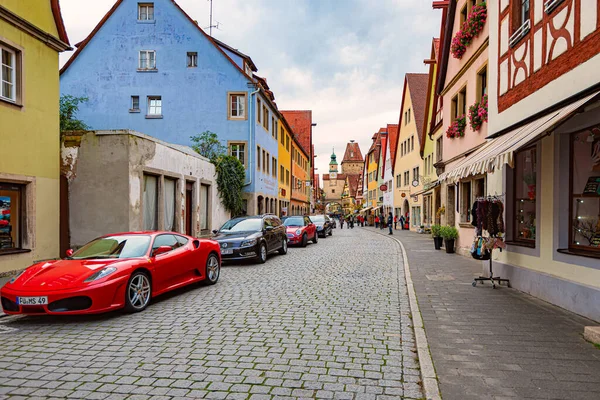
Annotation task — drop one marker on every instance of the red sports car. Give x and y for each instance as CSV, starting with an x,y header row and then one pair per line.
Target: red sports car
x,y
300,230
123,270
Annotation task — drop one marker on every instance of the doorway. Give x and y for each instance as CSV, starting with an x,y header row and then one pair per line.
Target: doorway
x,y
189,193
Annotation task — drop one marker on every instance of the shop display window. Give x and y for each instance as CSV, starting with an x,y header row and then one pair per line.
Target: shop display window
x,y
585,191
11,197
525,196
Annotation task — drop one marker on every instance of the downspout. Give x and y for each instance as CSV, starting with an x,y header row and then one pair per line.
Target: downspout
x,y
251,133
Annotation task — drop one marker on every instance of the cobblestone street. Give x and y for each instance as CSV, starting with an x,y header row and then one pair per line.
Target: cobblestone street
x,y
327,321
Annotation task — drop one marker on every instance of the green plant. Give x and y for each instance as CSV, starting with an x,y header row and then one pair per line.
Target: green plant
x,y
208,145
441,211
435,230
230,183
69,105
449,232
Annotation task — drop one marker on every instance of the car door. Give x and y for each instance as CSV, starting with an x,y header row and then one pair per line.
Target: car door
x,y
279,232
168,267
311,228
271,233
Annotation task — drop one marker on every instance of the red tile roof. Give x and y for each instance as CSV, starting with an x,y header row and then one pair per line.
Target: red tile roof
x,y
110,12
340,177
417,85
301,123
60,25
353,181
352,152
393,131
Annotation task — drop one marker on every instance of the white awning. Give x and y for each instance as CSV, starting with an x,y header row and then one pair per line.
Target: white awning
x,y
499,151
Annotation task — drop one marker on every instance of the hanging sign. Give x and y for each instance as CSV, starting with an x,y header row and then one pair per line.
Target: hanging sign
x,y
383,188
403,194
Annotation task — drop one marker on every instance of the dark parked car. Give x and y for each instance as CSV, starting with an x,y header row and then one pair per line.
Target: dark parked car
x,y
300,230
251,238
324,225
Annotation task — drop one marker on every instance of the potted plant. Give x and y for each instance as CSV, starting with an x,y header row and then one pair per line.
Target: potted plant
x,y
529,180
437,237
449,234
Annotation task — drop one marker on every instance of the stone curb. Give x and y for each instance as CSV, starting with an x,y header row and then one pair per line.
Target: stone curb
x,y
431,387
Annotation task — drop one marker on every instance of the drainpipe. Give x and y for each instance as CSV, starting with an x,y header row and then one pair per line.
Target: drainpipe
x,y
251,133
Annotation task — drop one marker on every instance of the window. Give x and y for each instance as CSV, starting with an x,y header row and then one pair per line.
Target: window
x,y
238,150
333,191
273,128
265,118
459,104
147,59
463,14
11,215
287,177
150,200
258,156
135,104
398,180
237,105
407,116
170,186
415,173
585,191
523,11
281,174
274,166
439,147
145,11
287,142
192,59
204,210
282,136
482,83
465,205
264,160
412,143
258,108
9,74
154,105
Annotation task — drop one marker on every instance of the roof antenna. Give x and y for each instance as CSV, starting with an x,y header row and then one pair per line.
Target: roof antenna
x,y
211,20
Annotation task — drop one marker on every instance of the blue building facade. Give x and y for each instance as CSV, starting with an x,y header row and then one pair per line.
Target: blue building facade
x,y
149,67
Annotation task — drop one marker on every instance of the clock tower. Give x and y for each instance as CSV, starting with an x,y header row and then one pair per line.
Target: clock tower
x,y
333,166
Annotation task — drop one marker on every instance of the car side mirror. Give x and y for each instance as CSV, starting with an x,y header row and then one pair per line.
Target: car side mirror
x,y
161,250
70,252
214,231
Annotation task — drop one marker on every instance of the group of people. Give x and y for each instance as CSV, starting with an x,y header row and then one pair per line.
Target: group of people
x,y
391,222
351,220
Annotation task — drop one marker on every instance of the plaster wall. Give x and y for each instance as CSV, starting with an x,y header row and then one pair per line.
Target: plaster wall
x,y
40,15
264,183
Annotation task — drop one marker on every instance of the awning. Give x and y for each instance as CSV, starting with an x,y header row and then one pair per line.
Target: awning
x,y
428,188
366,209
499,151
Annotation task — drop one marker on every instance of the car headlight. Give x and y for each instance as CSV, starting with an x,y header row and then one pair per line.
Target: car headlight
x,y
101,274
248,243
14,278
298,232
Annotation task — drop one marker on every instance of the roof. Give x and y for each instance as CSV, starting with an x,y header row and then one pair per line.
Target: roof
x,y
393,140
340,177
239,53
110,12
430,103
446,41
301,123
352,153
417,86
436,48
353,182
60,25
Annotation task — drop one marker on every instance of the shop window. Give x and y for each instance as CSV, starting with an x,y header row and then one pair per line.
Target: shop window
x,y
150,204
11,213
524,203
585,192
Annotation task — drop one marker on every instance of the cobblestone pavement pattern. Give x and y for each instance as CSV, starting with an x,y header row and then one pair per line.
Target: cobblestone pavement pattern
x,y
330,321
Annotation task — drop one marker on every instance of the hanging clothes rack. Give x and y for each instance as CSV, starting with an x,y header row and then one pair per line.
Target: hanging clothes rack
x,y
490,219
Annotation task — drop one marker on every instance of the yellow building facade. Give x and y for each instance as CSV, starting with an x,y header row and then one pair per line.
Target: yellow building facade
x,y
30,41
372,169
285,164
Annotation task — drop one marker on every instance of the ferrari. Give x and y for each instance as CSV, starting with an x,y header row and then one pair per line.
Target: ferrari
x,y
118,271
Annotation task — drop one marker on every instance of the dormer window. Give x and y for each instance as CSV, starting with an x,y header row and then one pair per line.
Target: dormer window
x,y
145,11
247,69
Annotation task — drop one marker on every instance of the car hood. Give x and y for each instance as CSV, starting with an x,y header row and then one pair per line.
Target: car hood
x,y
233,236
60,274
293,229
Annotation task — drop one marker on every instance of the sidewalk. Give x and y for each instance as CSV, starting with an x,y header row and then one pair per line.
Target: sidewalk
x,y
496,344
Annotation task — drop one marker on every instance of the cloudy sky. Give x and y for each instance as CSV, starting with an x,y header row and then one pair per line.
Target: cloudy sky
x,y
343,59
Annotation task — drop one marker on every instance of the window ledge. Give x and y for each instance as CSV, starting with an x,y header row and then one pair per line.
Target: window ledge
x,y
13,251
146,21
581,253
466,225
132,110
520,244
154,116
147,70
10,103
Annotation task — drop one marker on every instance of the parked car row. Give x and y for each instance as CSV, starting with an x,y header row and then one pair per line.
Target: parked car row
x,y
127,270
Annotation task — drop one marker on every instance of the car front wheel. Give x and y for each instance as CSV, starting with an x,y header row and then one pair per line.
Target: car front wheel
x,y
139,292
304,240
213,269
262,253
316,237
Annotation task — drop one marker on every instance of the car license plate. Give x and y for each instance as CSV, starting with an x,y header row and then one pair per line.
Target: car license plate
x,y
32,301
226,251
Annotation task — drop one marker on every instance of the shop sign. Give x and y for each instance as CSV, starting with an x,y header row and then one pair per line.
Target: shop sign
x,y
383,188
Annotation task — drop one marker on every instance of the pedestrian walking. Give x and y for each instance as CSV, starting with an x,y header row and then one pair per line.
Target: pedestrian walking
x,y
402,222
377,221
382,222
396,221
390,219
341,223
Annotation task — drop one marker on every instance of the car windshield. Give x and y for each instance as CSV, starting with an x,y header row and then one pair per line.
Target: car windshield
x,y
242,225
122,246
294,221
317,219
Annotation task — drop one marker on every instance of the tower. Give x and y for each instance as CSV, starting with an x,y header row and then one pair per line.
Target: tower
x,y
352,163
333,166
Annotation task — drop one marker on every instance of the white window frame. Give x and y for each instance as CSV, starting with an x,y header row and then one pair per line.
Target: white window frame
x,y
13,74
241,100
159,107
241,150
146,6
147,52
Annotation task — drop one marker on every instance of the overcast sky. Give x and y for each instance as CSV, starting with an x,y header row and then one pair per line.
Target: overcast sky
x,y
343,59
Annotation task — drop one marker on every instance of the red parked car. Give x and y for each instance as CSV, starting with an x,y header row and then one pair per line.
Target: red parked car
x,y
124,270
300,230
